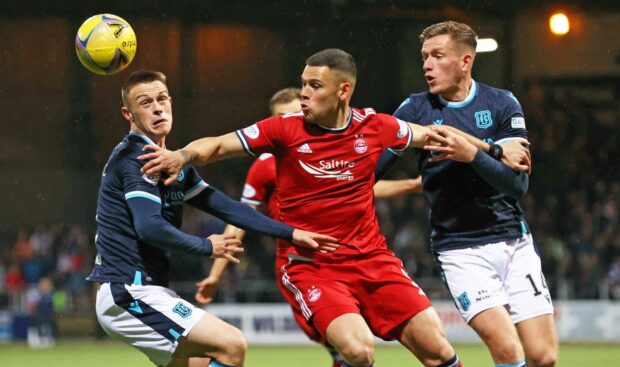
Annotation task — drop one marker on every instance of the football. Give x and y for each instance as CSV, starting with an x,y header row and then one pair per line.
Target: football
x,y
105,44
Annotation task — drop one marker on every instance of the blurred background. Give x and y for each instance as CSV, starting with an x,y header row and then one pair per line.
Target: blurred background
x,y
224,60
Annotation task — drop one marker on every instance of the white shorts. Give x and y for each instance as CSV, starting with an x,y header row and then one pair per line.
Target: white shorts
x,y
148,317
497,274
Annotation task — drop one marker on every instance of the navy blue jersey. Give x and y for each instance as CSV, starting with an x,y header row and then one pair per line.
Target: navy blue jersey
x,y
121,254
465,210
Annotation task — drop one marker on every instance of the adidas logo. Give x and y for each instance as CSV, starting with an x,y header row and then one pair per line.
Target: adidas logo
x,y
304,148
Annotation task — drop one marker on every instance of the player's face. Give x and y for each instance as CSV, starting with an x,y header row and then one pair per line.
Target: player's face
x,y
149,109
293,106
445,66
320,91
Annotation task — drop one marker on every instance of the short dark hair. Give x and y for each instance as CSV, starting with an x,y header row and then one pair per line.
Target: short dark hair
x,y
138,77
335,59
459,32
285,95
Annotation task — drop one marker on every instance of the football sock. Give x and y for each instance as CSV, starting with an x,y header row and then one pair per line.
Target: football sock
x,y
453,362
519,363
215,363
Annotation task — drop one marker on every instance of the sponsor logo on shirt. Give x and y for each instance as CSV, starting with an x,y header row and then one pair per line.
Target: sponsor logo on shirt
x,y
314,294
336,169
304,148
483,119
251,131
517,123
181,176
438,121
152,179
360,145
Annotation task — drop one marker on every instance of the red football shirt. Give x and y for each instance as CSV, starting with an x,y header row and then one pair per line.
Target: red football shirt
x,y
325,176
260,184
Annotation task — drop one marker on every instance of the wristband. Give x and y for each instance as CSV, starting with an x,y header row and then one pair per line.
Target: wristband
x,y
496,151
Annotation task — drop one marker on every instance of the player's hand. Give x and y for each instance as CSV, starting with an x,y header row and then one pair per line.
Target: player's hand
x,y
517,155
163,160
447,144
319,242
205,289
226,246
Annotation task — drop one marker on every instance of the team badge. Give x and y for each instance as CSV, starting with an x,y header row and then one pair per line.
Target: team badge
x,y
360,146
152,179
464,301
483,119
314,294
182,310
251,131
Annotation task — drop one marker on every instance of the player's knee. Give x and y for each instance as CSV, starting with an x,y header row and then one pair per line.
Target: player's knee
x,y
238,348
543,358
508,351
358,353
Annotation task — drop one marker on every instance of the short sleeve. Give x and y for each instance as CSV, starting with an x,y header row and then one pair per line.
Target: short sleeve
x,y
395,133
259,182
193,183
137,184
262,137
512,119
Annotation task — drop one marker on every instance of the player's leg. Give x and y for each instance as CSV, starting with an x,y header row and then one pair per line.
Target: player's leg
x,y
214,338
350,336
424,336
304,325
540,341
496,330
530,305
475,279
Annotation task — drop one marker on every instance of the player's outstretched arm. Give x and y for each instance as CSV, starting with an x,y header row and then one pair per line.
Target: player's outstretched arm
x,y
206,287
225,247
319,242
419,133
386,189
450,145
515,153
234,212
199,152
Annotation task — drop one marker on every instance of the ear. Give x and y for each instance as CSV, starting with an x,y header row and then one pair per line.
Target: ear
x,y
467,62
126,114
346,91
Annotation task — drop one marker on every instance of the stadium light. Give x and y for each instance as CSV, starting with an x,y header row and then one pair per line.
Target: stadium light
x,y
559,24
486,45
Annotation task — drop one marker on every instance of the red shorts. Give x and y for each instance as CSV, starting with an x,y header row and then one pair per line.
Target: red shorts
x,y
304,324
375,286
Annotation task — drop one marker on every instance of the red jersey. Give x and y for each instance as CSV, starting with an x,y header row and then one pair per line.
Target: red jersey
x,y
325,176
260,184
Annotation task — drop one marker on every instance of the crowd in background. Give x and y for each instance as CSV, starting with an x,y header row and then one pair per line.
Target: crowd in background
x,y
572,207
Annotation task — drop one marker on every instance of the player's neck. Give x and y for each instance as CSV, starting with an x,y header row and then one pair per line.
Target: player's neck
x,y
158,140
337,120
460,92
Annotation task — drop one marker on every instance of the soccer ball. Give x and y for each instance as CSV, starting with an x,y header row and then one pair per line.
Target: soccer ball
x,y
105,44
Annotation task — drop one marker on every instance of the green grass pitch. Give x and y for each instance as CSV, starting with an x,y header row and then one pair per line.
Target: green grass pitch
x,y
108,353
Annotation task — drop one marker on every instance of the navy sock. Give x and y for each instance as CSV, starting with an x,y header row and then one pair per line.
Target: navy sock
x,y
453,362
